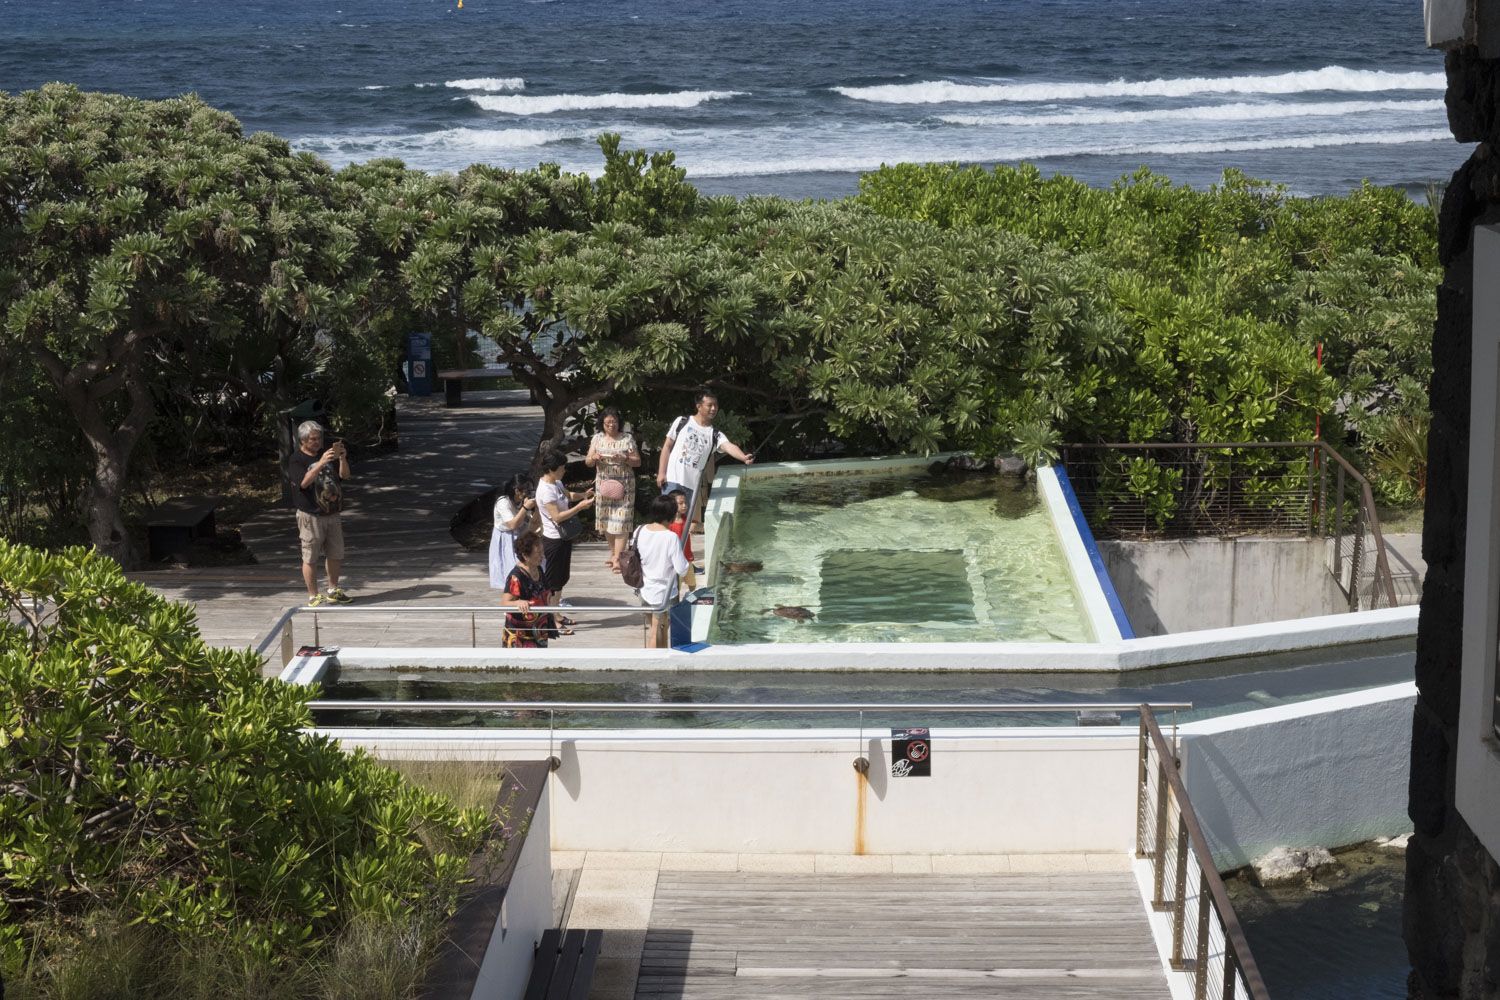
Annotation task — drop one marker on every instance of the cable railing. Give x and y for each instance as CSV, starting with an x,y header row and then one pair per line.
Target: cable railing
x,y
1208,943
283,632
1175,490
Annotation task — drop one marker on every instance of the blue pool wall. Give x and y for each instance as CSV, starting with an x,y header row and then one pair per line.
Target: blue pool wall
x,y
1096,560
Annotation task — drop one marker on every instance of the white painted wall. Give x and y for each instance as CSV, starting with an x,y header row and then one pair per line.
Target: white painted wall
x,y
1026,791
1204,583
1328,772
525,913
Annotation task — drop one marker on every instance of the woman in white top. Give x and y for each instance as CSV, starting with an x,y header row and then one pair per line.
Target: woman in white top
x,y
662,562
513,518
555,503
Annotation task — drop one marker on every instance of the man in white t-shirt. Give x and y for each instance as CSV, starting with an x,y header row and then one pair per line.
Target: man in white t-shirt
x,y
684,455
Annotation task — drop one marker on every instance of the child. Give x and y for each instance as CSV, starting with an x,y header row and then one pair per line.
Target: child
x,y
678,526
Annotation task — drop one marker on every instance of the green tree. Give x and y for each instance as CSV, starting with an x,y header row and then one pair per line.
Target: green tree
x,y
148,773
132,231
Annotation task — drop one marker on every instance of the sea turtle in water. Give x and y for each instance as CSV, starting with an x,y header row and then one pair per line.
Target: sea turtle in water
x,y
792,612
743,566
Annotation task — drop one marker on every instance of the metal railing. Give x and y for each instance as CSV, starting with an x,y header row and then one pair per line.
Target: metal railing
x,y
1207,941
284,630
1179,490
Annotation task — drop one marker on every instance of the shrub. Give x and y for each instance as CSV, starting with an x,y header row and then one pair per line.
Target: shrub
x,y
150,775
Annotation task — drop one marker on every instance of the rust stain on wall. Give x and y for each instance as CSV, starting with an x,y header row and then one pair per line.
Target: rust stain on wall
x,y
862,789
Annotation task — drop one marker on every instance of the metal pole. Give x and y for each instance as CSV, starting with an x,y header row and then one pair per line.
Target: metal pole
x,y
1158,872
473,631
1179,902
1141,788
317,640
1200,981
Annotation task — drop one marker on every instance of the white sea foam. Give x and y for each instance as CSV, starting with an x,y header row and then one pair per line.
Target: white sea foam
x,y
1329,78
377,86
1205,113
978,153
540,105
492,83
445,149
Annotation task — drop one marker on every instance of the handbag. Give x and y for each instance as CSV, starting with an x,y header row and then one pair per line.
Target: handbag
x,y
630,564
569,529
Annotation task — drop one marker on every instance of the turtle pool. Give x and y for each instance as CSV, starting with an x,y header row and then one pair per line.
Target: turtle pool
x,y
855,553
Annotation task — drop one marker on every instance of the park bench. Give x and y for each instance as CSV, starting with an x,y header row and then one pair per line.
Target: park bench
x,y
454,379
177,523
564,965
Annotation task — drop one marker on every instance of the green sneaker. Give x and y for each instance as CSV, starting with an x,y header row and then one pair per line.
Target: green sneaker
x,y
316,601
337,596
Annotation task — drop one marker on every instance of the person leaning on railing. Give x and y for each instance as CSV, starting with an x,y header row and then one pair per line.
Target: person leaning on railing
x,y
662,562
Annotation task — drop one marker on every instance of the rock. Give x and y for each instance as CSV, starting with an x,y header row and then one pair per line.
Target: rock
x,y
792,612
1287,864
1393,843
743,566
1010,465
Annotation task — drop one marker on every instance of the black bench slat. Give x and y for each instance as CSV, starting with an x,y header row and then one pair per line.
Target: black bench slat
x,y
544,965
567,966
584,976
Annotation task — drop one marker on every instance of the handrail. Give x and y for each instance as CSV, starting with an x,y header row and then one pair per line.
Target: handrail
x,y
1383,576
1239,965
742,707
282,629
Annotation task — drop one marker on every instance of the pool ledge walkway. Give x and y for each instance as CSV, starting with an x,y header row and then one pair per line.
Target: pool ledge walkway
x,y
774,926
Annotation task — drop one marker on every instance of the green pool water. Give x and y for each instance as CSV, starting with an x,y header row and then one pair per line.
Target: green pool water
x,y
909,556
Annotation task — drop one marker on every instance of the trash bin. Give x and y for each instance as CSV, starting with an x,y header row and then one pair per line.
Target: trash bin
x,y
420,374
308,409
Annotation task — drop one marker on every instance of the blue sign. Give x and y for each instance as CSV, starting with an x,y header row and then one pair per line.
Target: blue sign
x,y
419,373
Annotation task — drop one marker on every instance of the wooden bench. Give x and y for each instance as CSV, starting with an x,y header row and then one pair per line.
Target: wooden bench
x,y
176,524
454,379
564,965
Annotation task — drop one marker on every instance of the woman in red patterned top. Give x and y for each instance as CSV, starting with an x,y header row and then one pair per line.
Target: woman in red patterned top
x,y
523,588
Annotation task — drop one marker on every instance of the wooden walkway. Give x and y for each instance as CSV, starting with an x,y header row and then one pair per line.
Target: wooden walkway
x,y
399,549
722,935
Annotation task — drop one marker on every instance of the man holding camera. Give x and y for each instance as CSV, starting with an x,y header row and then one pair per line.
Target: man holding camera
x,y
317,477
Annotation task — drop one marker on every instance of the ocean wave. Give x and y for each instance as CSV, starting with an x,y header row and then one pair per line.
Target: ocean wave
x,y
488,83
857,163
456,146
376,86
1329,78
1204,113
540,105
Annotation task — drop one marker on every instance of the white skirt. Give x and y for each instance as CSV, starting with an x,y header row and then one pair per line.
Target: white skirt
x,y
502,556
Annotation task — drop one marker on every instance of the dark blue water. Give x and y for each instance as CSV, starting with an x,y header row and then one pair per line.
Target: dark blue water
x,y
783,96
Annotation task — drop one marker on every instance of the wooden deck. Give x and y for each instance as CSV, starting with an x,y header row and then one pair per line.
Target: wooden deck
x,y
399,550
722,935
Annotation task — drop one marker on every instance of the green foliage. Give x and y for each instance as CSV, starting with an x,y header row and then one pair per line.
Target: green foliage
x,y
151,774
1227,295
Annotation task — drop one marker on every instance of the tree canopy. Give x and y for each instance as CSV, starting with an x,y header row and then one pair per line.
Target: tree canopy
x,y
156,263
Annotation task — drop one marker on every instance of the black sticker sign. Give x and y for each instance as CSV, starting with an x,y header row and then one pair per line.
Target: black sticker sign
x,y
911,753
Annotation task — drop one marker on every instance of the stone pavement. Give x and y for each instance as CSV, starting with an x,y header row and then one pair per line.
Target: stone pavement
x,y
399,551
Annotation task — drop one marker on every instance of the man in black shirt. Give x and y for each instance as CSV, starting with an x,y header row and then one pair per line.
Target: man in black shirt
x,y
317,477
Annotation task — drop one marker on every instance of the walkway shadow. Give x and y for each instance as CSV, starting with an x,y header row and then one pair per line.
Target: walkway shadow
x,y
410,593
666,957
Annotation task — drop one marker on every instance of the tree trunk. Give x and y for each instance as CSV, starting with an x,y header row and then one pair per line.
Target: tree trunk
x,y
106,524
86,389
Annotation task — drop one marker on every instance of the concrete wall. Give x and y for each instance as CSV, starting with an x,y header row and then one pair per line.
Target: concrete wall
x,y
525,913
1328,772
796,792
1203,583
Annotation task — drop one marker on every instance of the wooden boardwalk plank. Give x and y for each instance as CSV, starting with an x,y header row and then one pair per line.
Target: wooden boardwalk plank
x,y
766,936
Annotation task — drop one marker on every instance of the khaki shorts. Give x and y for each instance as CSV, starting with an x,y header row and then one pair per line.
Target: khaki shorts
x,y
321,535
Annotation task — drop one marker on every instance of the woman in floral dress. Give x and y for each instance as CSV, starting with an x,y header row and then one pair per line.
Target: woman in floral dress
x,y
614,457
525,629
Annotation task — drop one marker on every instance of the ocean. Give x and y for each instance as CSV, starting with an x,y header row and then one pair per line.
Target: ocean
x,y
790,97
